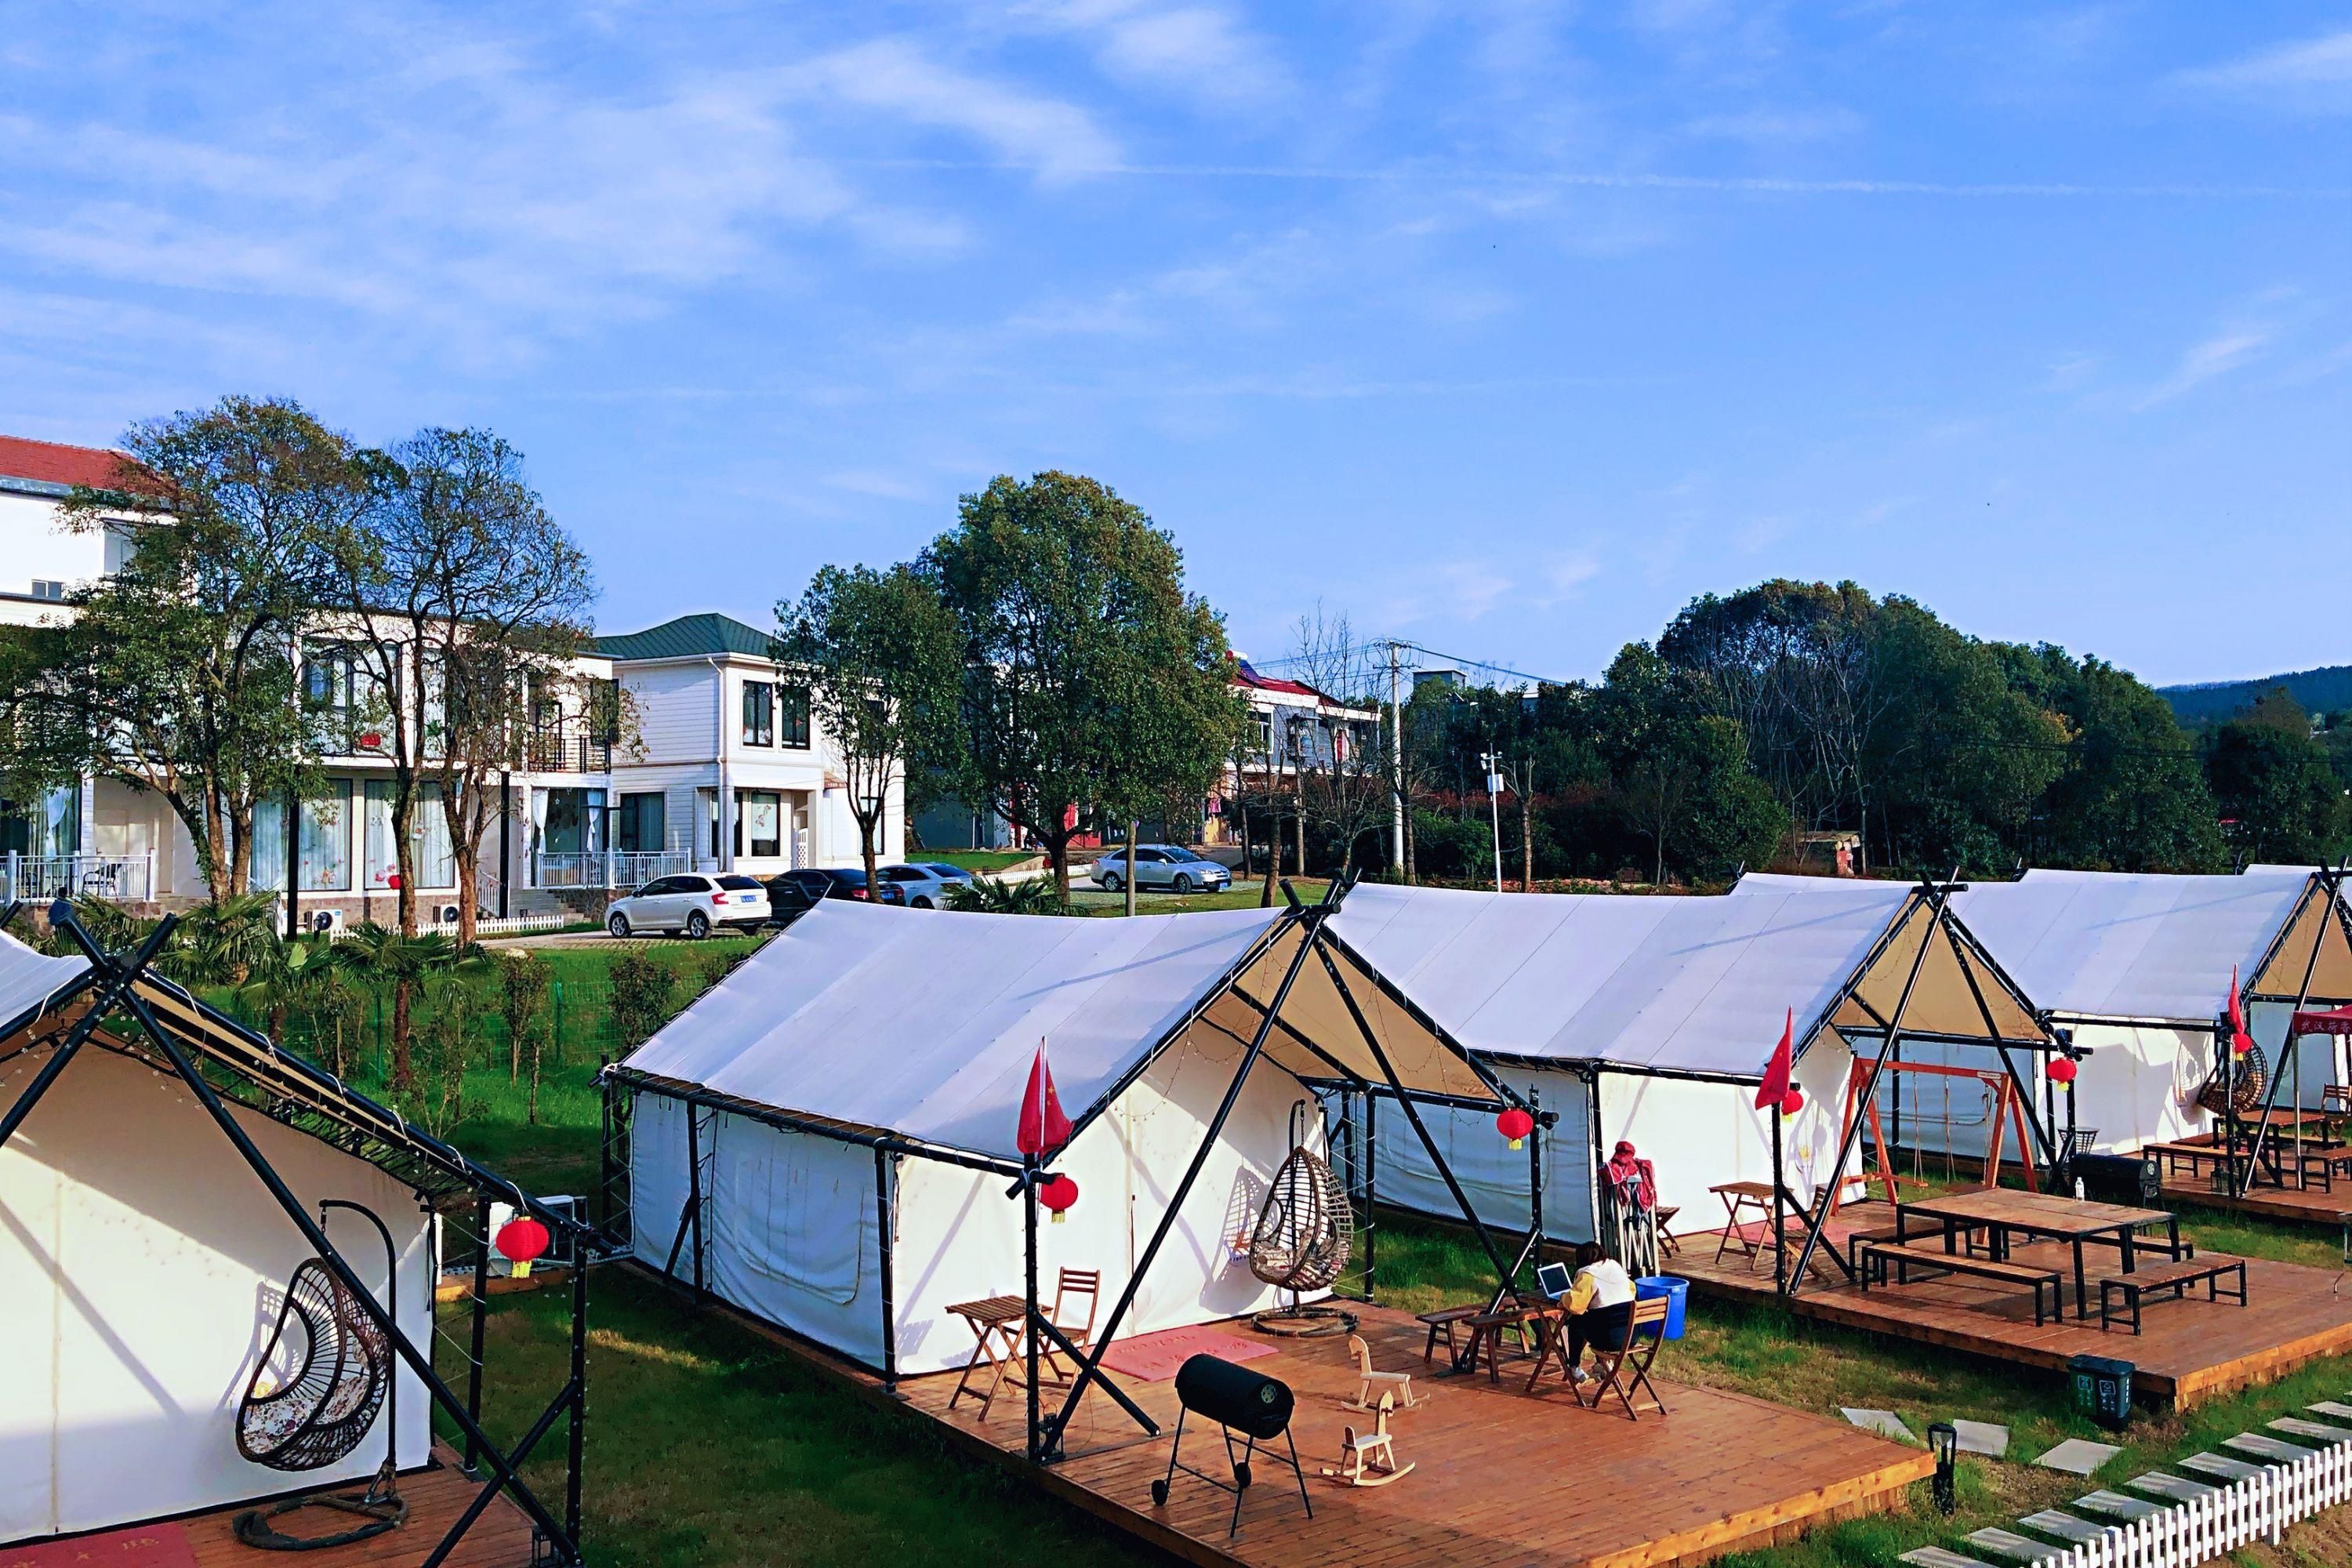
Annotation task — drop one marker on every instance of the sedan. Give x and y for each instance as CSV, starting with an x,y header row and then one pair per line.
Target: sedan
x,y
695,904
1169,865
912,887
946,871
797,892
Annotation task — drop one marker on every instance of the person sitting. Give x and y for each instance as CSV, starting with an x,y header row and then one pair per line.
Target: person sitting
x,y
1599,1303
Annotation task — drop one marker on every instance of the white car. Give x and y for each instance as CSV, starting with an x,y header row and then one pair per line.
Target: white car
x,y
1162,866
697,903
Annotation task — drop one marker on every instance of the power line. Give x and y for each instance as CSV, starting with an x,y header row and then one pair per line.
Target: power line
x,y
1464,661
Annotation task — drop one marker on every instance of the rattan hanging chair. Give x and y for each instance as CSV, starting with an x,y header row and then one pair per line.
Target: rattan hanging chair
x,y
1305,1234
2249,1077
342,1367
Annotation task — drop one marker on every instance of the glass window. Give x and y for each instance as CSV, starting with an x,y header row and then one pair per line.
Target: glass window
x,y
268,874
743,884
759,713
603,710
794,701
642,825
436,861
379,855
326,834
759,822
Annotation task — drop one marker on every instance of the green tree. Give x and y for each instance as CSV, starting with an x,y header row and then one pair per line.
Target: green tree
x,y
177,672
1679,773
388,958
642,988
1094,685
524,986
2279,800
2132,796
882,660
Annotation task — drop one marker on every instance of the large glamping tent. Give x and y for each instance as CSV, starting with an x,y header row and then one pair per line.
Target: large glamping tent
x,y
2136,969
162,1177
1651,1020
827,1138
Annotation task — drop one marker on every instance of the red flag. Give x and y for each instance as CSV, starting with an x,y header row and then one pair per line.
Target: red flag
x,y
1044,1127
1775,1072
2240,1042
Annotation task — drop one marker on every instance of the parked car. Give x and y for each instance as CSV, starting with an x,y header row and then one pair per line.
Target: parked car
x,y
946,871
1169,865
695,903
794,893
913,887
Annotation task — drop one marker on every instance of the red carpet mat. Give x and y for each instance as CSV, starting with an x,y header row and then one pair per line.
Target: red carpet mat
x,y
1154,1358
141,1546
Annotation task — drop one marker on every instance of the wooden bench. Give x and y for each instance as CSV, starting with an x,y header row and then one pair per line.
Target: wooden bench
x,y
1877,1255
2175,1277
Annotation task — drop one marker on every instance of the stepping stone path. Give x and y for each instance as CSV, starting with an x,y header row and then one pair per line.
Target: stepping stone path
x,y
2263,1447
2331,1407
2320,1431
2009,1544
2065,1526
1937,1557
2225,1471
2178,1488
1886,1422
2116,1506
2077,1457
1981,1437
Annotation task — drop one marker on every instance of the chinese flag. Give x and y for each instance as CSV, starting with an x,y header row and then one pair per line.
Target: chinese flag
x,y
1775,1072
1044,1127
2240,1041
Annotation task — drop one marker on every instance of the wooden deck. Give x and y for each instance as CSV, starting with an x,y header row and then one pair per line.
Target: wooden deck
x,y
500,1539
2190,1352
1501,1477
2309,1206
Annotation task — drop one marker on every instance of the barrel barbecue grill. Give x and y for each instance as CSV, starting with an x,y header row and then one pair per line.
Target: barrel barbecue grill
x,y
1240,1401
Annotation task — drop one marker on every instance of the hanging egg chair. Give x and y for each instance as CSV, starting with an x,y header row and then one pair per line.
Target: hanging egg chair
x,y
1305,1234
2249,1077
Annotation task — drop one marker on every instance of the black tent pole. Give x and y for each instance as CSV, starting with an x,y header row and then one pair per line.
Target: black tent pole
x,y
110,995
1029,1277
481,1311
2321,884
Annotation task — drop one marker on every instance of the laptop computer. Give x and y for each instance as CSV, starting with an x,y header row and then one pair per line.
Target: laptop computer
x,y
1554,1279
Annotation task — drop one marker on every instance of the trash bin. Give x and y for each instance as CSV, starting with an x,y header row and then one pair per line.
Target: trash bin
x,y
1675,1289
2103,1389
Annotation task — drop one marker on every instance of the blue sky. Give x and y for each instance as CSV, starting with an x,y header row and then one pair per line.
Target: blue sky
x,y
1507,328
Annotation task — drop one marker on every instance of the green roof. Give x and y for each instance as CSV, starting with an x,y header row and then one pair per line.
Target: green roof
x,y
688,636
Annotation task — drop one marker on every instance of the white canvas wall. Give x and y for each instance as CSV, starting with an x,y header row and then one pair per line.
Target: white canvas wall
x,y
2137,1086
958,1236
1493,1176
142,1265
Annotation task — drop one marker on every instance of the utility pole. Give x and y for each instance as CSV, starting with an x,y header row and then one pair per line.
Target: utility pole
x,y
1494,765
1396,760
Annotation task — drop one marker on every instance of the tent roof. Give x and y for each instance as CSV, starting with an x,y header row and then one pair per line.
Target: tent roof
x,y
922,1026
41,997
1670,984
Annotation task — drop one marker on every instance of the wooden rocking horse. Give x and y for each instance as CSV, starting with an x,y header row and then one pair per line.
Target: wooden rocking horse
x,y
1369,1458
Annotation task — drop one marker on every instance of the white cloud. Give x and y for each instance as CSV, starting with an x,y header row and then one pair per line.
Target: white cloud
x,y
2313,75
1196,51
2229,349
1059,140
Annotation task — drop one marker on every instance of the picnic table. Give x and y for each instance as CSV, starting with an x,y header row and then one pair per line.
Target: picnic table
x,y
2002,1213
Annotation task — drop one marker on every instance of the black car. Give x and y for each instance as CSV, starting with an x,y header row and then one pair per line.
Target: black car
x,y
795,893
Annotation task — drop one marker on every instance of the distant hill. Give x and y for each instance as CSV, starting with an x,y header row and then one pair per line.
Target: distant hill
x,y
2323,690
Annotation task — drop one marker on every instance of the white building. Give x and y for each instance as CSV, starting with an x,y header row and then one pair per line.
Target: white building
x,y
710,761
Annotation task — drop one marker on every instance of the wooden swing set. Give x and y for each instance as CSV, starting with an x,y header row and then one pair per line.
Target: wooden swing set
x,y
2008,1111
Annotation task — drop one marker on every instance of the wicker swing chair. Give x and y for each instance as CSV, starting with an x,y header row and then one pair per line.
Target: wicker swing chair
x,y
321,1413
2249,1077
1303,1238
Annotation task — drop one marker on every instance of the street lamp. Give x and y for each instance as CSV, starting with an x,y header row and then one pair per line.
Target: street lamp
x,y
1494,765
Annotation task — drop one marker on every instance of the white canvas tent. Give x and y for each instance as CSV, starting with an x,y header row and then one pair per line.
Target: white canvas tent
x,y
144,1254
2136,967
1651,1020
826,1138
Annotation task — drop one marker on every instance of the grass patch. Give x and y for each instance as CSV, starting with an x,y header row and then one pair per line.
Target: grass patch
x,y
978,861
1090,900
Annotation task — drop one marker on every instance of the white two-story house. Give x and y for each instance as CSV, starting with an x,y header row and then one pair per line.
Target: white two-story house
x,y
706,759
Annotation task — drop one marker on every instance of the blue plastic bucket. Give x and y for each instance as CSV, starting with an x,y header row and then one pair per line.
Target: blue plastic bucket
x,y
1674,1288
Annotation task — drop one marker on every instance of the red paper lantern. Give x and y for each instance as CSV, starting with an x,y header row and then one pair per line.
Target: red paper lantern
x,y
2243,1043
1515,1124
2063,1070
521,1239
1057,1193
1793,1101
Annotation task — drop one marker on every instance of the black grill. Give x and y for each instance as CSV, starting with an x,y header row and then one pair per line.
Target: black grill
x,y
1249,1408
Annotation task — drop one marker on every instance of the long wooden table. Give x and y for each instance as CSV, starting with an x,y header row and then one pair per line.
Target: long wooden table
x,y
2070,1220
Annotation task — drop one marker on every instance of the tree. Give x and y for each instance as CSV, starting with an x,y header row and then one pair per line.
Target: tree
x,y
2132,796
176,673
880,655
1344,766
1093,683
464,595
1679,773
524,986
2279,799
404,962
642,988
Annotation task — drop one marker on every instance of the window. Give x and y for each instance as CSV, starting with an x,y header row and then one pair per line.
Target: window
x,y
325,839
49,588
794,701
759,819
742,884
759,713
642,825
121,544
708,800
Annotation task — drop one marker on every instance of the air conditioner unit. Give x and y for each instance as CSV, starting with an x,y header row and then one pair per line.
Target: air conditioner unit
x,y
323,923
445,915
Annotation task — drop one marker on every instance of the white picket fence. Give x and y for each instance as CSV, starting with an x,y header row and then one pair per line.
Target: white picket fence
x,y
514,925
2258,1508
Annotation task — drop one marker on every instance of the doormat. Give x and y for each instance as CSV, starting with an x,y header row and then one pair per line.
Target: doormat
x,y
1154,1358
142,1546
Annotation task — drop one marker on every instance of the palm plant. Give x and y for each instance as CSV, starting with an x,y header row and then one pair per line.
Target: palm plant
x,y
403,963
996,896
227,941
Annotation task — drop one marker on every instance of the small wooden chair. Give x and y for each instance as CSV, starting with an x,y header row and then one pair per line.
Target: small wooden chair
x,y
1644,1335
1073,1286
1369,1458
1401,1382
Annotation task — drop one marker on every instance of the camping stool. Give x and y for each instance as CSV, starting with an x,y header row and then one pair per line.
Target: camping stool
x,y
1445,1318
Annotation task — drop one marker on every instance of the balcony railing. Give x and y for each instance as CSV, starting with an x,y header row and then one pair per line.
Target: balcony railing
x,y
562,752
119,878
621,869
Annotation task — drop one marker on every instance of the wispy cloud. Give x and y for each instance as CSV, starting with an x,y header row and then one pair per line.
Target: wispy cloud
x,y
1777,127
2313,75
2232,348
1200,52
1030,130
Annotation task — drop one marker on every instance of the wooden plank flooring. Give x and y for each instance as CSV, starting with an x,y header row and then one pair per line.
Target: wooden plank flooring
x,y
2309,1206
1501,1477
2190,1352
500,1539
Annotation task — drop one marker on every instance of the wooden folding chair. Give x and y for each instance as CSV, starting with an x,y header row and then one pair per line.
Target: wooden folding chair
x,y
1074,1286
1644,1335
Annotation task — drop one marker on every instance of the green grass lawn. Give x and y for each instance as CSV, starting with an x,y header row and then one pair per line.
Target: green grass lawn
x,y
1091,900
978,861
